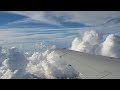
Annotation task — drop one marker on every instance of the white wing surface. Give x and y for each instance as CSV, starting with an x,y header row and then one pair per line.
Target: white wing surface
x,y
91,66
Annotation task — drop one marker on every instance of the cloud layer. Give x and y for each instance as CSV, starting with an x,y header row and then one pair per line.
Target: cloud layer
x,y
59,18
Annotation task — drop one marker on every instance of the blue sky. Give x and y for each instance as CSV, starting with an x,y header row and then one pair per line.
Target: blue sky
x,y
55,27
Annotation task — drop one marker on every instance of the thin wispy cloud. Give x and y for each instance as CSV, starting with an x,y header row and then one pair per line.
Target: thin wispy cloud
x,y
35,16
69,18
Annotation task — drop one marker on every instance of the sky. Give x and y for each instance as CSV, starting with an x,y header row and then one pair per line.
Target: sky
x,y
93,32
54,27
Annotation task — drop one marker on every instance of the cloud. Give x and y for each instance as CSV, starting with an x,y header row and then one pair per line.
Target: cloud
x,y
15,60
111,46
95,43
88,42
39,65
87,18
61,37
91,18
34,16
28,36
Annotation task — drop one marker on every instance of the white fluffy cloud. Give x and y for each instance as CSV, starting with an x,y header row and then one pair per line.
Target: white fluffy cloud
x,y
15,60
38,65
88,42
92,43
111,46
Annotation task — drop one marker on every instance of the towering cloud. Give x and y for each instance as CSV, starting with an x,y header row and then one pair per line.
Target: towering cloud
x,y
111,46
92,43
88,42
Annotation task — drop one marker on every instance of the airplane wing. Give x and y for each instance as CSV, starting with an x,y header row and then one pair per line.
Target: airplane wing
x,y
91,66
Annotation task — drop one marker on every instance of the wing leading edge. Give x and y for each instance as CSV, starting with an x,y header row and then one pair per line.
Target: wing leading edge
x,y
91,66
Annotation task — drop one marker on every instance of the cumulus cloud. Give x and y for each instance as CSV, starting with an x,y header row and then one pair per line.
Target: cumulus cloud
x,y
88,42
111,46
47,65
93,43
39,65
15,60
